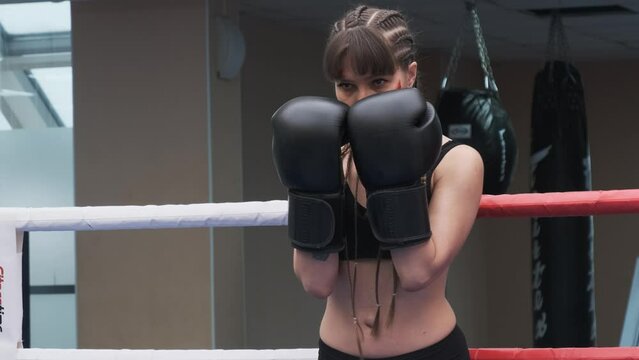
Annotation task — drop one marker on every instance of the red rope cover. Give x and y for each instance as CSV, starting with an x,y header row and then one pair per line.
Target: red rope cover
x,y
593,353
574,203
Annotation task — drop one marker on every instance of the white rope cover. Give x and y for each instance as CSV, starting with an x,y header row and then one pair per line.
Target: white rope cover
x,y
252,213
59,354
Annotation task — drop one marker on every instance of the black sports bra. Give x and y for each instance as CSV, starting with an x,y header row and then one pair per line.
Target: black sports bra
x,y
360,241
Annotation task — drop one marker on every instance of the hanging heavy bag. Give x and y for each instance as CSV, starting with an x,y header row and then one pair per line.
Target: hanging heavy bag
x,y
562,267
476,117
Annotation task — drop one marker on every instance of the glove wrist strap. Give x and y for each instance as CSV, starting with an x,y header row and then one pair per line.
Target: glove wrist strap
x,y
315,221
399,216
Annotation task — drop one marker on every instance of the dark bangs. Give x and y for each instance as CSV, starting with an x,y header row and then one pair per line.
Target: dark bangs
x,y
367,51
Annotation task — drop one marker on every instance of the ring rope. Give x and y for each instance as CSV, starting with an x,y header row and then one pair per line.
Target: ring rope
x,y
274,212
555,204
596,353
240,214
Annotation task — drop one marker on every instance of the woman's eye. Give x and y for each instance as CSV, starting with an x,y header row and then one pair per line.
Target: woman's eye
x,y
345,86
378,83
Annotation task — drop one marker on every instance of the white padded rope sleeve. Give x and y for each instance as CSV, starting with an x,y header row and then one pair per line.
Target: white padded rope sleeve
x,y
241,214
62,354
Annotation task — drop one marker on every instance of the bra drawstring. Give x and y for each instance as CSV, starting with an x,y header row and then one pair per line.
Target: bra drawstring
x,y
352,279
375,330
391,309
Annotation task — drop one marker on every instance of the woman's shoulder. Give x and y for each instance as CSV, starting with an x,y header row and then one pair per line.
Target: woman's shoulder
x,y
459,160
463,151
458,150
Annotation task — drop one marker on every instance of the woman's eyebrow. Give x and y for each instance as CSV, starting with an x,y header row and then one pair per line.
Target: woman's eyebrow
x,y
377,76
363,77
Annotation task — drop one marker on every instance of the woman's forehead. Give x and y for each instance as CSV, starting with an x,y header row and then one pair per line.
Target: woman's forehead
x,y
349,73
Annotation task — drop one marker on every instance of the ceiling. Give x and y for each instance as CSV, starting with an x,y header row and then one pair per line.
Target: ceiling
x,y
511,31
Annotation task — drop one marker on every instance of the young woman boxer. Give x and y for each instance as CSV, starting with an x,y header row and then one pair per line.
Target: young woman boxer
x,y
380,203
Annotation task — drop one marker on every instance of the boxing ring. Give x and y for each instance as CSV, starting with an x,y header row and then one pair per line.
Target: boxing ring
x,y
15,221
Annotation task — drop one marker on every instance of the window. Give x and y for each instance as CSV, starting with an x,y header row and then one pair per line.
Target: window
x,y
35,76
36,155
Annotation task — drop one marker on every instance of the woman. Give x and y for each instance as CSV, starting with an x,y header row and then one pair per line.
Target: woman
x,y
390,303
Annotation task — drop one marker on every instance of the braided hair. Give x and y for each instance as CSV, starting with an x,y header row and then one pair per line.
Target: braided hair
x,y
374,41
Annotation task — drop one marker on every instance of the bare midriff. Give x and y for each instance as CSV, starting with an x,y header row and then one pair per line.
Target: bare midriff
x,y
421,318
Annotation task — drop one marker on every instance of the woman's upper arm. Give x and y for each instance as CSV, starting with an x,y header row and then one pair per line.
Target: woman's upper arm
x,y
453,208
457,188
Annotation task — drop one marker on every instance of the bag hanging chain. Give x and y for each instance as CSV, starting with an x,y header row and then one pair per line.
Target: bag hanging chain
x,y
557,48
472,18
451,69
489,78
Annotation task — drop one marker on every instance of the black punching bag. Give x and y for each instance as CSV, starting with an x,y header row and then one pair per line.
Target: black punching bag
x,y
562,248
476,117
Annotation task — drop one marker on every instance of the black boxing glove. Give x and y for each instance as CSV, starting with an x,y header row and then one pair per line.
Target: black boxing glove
x,y
396,138
307,136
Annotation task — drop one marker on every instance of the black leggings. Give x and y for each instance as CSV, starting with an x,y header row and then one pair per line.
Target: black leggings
x,y
452,347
